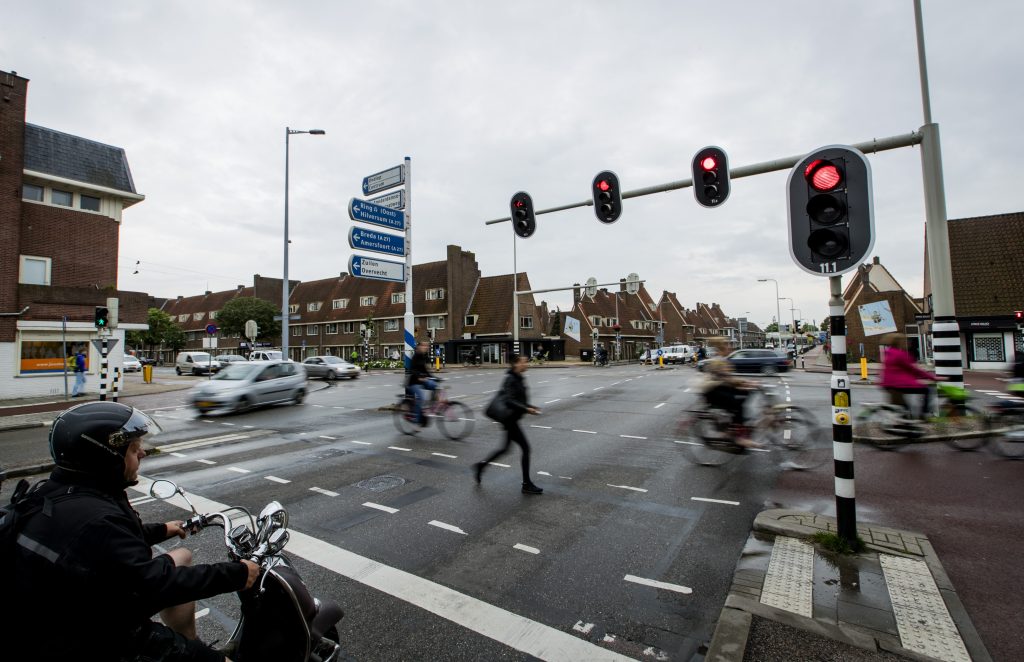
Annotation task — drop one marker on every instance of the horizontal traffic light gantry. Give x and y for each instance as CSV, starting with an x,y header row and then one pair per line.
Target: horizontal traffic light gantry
x,y
607,196
524,221
102,317
831,217
711,176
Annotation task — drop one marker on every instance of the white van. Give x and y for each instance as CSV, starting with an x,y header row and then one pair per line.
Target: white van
x,y
265,355
195,363
677,354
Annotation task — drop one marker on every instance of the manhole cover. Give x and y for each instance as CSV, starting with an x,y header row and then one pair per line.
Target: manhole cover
x,y
330,452
381,483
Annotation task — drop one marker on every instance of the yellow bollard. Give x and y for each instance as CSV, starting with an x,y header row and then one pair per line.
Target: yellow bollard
x,y
863,368
147,374
661,361
437,363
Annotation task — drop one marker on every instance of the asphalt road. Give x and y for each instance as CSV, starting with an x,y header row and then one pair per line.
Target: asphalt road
x,y
629,551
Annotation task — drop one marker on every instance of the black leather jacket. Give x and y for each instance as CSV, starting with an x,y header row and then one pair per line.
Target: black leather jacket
x,y
418,368
85,577
514,390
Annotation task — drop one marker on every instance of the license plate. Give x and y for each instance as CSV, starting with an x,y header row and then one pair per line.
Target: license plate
x,y
206,403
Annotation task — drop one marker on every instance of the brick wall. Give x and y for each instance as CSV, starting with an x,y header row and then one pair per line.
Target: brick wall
x,y
13,93
83,246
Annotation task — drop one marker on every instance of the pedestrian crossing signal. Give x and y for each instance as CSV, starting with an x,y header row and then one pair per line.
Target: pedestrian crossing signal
x,y
102,318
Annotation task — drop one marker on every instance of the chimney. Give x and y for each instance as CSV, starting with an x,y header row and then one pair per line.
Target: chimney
x,y
875,260
208,293
622,285
241,287
575,292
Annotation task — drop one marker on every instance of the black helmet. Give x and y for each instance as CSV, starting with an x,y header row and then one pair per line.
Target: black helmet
x,y
93,437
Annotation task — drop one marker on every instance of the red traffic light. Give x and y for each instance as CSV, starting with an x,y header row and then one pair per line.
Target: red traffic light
x,y
1019,314
823,175
604,185
709,163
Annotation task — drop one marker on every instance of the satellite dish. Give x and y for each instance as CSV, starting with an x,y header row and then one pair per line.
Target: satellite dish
x,y
591,287
632,284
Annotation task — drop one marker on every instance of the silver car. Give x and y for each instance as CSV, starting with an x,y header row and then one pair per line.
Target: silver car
x,y
242,386
330,368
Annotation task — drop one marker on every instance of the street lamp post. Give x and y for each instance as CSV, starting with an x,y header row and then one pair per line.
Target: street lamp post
x,y
792,321
288,132
778,311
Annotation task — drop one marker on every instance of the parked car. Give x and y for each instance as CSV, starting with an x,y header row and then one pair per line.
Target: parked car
x,y
246,385
131,364
764,361
195,363
145,360
225,359
330,368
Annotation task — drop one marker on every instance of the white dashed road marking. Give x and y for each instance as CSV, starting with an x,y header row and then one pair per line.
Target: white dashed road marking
x,y
575,395
324,436
206,461
397,448
542,427
631,436
728,503
323,491
239,470
526,548
447,527
660,404
656,584
277,480
585,431
380,507
499,464
550,401
364,443
627,487
445,455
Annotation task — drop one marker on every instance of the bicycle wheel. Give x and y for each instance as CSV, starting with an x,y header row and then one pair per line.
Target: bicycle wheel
x,y
1008,435
802,443
403,414
705,444
456,420
880,425
966,429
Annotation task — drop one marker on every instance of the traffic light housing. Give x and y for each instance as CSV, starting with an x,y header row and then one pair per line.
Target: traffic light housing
x,y
524,221
607,196
711,176
831,215
102,317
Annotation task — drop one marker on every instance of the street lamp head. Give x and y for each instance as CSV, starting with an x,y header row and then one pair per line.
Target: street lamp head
x,y
317,132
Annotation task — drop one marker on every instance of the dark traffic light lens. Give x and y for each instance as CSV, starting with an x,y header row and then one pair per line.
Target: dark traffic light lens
x,y
709,177
711,191
823,176
825,209
827,243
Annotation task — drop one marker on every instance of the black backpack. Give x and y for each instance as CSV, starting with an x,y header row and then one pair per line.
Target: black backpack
x,y
26,501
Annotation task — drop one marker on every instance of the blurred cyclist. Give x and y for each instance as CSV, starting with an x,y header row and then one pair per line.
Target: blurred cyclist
x,y
901,376
724,390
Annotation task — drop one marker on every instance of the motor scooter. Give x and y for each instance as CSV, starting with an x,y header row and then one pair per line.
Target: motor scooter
x,y
280,621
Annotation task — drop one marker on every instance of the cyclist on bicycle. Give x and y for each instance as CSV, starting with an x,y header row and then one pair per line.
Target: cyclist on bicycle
x,y
420,379
724,390
902,377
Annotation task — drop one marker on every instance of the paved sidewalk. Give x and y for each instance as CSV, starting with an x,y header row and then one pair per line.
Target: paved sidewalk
x,y
792,600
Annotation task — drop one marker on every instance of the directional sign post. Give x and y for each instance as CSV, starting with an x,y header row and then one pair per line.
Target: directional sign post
x,y
367,212
393,200
361,239
365,267
383,180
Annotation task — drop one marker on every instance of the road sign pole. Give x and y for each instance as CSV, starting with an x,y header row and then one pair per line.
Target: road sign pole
x,y
410,319
103,366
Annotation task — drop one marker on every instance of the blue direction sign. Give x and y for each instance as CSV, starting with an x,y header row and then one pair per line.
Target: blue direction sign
x,y
383,180
361,239
394,200
368,267
367,212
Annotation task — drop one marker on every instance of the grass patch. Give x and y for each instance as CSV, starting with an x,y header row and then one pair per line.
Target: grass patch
x,y
833,543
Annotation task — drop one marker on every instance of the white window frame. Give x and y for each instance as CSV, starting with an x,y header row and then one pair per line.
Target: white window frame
x,y
99,203
42,192
312,329
468,322
338,304
436,322
332,328
198,316
368,301
348,327
435,294
47,268
526,321
391,325
293,308
213,314
398,297
296,330
313,306
183,317
71,202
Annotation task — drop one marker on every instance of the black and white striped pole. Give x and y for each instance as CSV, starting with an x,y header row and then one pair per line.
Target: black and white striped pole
x,y
842,428
831,229
103,365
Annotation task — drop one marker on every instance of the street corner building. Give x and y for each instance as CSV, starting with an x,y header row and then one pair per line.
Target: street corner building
x,y
60,218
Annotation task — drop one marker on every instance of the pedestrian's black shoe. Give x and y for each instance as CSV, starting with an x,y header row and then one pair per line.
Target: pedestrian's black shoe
x,y
478,469
530,488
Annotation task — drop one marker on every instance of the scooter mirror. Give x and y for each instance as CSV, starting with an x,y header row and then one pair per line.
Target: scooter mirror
x,y
278,539
273,512
162,489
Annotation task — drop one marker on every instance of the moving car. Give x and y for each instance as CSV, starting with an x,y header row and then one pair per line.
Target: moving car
x,y
131,364
225,359
246,385
196,363
266,355
764,361
330,368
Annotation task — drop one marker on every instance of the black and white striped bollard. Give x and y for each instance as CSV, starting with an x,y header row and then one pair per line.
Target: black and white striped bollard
x,y
842,428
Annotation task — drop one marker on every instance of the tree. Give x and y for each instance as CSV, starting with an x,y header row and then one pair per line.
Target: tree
x,y
235,313
772,328
824,324
163,330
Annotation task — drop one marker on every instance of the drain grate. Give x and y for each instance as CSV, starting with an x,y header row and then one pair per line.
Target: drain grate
x,y
381,483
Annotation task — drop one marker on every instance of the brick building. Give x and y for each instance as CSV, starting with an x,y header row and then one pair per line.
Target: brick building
x,y
872,283
465,313
61,204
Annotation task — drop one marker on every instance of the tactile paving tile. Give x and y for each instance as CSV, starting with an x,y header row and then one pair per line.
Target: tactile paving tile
x,y
922,619
789,582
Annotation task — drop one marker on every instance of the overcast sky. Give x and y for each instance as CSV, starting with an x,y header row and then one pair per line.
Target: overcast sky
x,y
490,98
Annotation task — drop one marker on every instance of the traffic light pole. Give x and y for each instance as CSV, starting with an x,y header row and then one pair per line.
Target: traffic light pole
x,y
103,364
842,430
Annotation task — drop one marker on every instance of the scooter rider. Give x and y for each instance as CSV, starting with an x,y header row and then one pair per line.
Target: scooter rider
x,y
86,560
